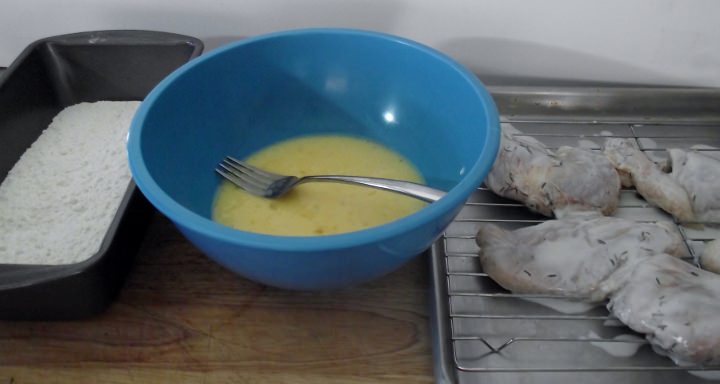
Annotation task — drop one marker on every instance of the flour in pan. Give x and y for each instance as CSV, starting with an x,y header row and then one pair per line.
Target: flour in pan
x,y
57,202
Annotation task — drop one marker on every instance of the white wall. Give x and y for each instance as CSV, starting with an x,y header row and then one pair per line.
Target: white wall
x,y
666,42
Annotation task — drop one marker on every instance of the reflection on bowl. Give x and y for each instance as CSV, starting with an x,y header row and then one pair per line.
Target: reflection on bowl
x,y
255,92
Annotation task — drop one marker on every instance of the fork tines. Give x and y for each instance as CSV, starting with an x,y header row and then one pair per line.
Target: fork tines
x,y
245,176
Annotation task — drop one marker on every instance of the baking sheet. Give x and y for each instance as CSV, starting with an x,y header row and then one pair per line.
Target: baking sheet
x,y
484,334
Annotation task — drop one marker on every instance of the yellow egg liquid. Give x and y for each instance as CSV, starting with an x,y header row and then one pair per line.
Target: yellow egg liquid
x,y
319,208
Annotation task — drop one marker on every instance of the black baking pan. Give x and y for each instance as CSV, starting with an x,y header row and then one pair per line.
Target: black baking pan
x,y
49,75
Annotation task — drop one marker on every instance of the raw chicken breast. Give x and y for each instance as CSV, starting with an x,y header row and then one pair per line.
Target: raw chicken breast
x,y
584,180
676,305
551,183
519,171
699,175
653,184
570,256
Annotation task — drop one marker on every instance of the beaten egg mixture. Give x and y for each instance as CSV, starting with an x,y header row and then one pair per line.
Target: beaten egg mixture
x,y
320,208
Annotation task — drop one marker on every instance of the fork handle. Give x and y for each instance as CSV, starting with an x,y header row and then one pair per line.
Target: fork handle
x,y
407,188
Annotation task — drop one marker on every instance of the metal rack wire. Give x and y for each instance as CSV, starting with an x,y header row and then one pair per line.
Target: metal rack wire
x,y
493,330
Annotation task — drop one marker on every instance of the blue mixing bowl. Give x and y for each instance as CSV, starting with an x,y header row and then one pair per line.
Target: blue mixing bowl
x,y
244,96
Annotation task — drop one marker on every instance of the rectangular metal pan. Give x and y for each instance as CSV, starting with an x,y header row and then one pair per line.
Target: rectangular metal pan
x,y
49,75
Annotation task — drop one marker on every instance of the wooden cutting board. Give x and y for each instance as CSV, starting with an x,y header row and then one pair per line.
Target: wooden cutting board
x,y
183,318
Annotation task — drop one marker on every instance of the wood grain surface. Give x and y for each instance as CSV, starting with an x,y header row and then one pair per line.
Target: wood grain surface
x,y
184,319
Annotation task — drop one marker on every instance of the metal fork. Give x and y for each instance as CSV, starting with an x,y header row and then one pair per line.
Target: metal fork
x,y
267,184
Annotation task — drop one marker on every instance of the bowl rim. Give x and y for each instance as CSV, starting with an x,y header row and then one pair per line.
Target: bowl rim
x,y
188,219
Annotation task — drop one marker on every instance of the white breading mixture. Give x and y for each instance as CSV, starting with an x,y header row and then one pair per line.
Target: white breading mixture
x,y
58,201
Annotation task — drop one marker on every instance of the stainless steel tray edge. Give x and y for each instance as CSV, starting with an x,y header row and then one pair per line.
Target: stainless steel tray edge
x,y
608,104
439,319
